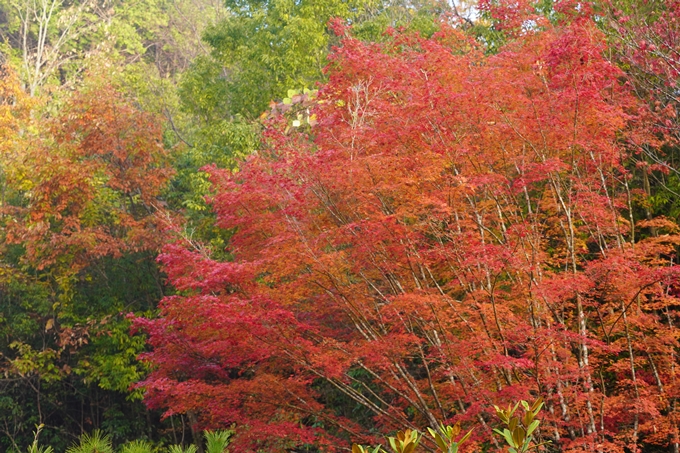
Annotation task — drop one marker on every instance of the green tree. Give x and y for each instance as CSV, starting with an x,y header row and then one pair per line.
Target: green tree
x,y
264,48
259,52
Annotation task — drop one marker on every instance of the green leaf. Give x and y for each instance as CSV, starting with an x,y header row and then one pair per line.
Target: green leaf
x,y
393,444
518,435
96,442
537,405
137,446
440,442
217,441
532,427
508,438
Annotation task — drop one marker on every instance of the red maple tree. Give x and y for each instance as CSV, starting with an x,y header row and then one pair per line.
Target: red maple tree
x,y
459,230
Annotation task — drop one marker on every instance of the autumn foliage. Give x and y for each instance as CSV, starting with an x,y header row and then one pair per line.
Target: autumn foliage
x,y
79,201
90,178
458,230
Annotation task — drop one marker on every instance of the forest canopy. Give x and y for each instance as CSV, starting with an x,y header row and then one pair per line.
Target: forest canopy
x,y
299,225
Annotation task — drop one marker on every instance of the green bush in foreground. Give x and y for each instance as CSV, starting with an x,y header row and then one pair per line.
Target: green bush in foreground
x,y
518,433
215,442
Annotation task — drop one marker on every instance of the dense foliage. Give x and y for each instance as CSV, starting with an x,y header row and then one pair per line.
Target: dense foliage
x,y
331,221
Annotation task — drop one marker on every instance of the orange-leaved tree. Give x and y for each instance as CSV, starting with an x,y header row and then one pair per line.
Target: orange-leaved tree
x,y
80,186
458,230
91,181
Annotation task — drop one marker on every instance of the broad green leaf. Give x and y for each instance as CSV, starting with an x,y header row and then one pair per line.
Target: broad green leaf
x,y
518,436
532,427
